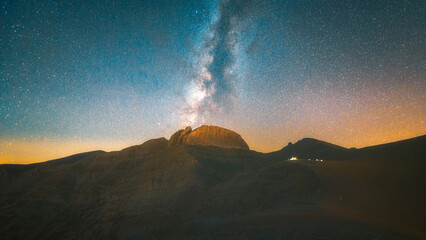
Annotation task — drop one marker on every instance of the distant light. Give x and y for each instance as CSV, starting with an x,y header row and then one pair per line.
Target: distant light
x,y
293,158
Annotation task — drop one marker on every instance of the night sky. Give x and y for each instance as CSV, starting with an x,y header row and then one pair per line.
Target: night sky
x,y
85,75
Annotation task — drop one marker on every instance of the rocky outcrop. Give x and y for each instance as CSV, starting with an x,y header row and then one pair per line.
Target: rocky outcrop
x,y
208,136
177,137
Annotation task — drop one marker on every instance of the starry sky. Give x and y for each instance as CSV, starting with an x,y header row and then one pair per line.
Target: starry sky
x,y
84,75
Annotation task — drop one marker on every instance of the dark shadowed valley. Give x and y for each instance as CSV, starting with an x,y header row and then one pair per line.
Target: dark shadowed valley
x,y
207,184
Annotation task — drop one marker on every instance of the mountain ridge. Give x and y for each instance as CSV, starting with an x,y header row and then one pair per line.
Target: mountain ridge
x,y
292,149
191,191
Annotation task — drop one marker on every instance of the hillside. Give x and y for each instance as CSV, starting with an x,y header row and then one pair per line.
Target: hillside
x,y
159,190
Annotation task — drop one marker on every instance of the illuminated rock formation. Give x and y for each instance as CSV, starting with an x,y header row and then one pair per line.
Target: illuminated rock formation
x,y
208,136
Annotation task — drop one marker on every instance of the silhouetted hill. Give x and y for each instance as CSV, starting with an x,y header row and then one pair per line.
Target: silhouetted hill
x,y
309,148
167,189
149,147
9,172
409,151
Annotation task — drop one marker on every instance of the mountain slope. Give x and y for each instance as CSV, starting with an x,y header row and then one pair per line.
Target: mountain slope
x,y
159,190
309,148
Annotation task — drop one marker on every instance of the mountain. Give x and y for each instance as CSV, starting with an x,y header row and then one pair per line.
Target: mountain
x,y
309,148
207,184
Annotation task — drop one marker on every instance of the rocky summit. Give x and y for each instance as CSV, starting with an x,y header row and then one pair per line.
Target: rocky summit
x,y
208,136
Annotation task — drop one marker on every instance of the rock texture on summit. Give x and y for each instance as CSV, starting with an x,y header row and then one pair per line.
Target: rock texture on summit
x,y
208,136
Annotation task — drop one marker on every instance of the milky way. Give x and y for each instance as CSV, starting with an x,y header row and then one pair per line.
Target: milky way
x,y
85,75
213,90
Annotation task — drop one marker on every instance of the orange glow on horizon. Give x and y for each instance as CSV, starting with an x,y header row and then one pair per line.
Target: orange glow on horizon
x,y
20,151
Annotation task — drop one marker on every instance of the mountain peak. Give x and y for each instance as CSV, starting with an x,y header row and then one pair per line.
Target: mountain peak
x,y
208,135
315,143
311,148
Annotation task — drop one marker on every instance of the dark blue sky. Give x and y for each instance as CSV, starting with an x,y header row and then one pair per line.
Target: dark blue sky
x,y
349,72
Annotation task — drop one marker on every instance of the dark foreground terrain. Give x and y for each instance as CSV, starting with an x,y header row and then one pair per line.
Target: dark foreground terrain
x,y
195,187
